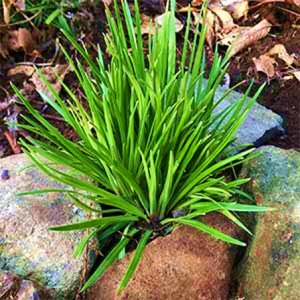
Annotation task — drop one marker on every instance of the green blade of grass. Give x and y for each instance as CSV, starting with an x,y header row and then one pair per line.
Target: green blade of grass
x,y
108,261
135,259
94,223
207,229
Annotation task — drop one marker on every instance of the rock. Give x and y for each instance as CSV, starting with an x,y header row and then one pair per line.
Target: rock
x,y
27,248
13,286
260,125
270,269
186,264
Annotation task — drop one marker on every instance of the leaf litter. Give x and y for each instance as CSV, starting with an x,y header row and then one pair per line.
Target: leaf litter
x,y
226,21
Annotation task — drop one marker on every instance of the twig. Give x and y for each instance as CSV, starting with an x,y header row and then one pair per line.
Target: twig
x,y
12,142
20,22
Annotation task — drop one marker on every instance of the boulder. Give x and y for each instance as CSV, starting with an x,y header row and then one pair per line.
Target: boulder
x,y
260,125
186,264
27,248
270,268
13,286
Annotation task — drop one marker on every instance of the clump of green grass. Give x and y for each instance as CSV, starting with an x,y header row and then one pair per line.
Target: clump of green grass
x,y
151,149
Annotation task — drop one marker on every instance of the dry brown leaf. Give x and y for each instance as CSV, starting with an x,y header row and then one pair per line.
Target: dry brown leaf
x,y
51,74
218,27
210,20
210,35
145,27
225,17
265,64
25,40
13,43
6,9
146,21
21,39
232,36
252,35
22,69
297,75
280,50
178,24
239,9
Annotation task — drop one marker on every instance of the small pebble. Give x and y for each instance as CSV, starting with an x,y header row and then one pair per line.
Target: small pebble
x,y
4,174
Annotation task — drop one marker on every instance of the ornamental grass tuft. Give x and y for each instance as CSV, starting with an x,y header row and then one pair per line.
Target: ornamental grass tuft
x,y
151,152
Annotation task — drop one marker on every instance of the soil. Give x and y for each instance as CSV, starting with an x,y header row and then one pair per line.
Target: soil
x,y
280,95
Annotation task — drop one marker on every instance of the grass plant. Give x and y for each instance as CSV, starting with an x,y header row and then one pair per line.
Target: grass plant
x,y
152,153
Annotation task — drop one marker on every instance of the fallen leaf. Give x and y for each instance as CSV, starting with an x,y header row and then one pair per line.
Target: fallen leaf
x,y
239,9
22,69
6,9
51,74
252,35
265,64
146,22
21,39
210,35
231,37
280,50
225,17
25,40
145,26
13,43
209,21
297,75
178,24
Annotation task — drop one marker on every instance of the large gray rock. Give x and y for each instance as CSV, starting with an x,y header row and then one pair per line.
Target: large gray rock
x,y
260,125
27,248
271,268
